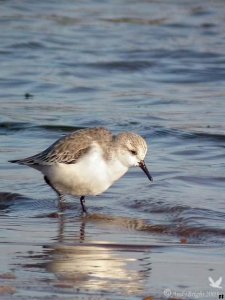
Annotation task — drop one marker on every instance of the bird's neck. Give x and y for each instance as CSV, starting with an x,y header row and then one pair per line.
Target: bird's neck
x,y
116,169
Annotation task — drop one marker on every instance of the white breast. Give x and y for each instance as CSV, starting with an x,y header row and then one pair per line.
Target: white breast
x,y
91,175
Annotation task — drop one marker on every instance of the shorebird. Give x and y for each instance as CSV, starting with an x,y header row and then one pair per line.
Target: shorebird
x,y
88,161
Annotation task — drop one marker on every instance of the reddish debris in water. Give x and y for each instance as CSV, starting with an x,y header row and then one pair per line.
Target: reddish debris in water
x,y
7,289
7,276
184,241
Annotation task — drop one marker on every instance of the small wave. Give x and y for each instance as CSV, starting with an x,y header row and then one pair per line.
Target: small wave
x,y
202,181
64,128
198,224
184,134
123,65
27,45
18,126
7,196
166,132
137,21
7,199
14,126
209,136
183,227
186,54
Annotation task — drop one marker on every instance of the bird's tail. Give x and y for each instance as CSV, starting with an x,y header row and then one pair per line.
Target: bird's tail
x,y
15,161
29,161
25,161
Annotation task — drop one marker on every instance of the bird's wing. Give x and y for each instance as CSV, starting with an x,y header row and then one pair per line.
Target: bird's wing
x,y
218,282
69,148
211,280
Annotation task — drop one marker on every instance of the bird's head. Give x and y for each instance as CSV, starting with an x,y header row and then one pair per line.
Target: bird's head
x,y
131,151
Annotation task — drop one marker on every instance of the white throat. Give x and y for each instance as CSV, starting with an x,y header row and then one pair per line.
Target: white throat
x,y
116,169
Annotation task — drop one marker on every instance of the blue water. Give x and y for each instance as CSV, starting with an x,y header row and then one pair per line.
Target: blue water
x,y
151,67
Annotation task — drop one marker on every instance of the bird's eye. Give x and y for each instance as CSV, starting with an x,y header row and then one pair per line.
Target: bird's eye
x,y
133,152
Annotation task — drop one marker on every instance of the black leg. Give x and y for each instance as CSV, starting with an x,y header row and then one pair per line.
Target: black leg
x,y
57,192
49,183
82,200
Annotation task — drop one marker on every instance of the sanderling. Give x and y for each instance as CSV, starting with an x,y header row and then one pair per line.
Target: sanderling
x,y
88,161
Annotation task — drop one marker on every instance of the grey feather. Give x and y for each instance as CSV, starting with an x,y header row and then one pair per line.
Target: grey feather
x,y
68,149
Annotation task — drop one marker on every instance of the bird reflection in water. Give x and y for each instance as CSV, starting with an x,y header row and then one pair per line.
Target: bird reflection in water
x,y
97,266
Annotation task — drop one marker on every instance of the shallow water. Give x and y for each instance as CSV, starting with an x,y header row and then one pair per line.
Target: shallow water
x,y
155,68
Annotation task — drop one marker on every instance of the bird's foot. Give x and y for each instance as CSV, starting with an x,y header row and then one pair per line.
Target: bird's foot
x,y
61,204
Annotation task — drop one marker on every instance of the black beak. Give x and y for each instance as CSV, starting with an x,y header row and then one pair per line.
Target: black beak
x,y
144,168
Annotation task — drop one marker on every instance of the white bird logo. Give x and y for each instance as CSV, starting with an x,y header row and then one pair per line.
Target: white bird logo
x,y
215,284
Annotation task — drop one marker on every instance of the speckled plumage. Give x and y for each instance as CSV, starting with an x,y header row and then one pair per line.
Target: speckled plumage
x,y
69,148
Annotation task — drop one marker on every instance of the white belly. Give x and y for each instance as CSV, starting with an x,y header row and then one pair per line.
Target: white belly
x,y
92,175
